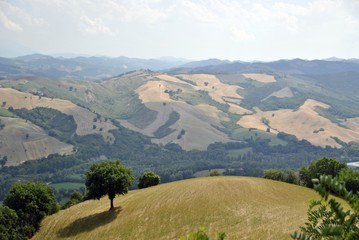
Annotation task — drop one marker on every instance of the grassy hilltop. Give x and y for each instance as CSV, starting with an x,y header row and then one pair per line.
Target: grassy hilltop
x,y
242,207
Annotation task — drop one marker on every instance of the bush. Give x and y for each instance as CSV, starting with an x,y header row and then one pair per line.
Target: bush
x,y
201,235
148,179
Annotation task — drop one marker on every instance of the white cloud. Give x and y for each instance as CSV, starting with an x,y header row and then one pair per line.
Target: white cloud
x,y
241,35
8,24
95,26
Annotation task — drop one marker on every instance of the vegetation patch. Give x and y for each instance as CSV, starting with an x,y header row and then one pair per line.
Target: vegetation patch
x,y
165,129
57,124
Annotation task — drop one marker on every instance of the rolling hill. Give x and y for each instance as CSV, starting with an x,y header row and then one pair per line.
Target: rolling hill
x,y
242,207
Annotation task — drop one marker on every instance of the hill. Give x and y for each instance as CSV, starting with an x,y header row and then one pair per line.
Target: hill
x,y
244,208
21,141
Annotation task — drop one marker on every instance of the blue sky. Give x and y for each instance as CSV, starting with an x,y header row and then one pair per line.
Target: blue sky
x,y
201,29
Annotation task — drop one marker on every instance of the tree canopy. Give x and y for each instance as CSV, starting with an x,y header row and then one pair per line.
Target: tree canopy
x,y
148,179
323,166
32,201
108,178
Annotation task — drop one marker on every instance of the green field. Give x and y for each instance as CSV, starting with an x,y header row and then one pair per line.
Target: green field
x,y
242,207
5,113
239,152
243,134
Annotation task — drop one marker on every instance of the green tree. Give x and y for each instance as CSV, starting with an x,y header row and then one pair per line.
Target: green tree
x,y
148,179
214,173
351,179
327,219
32,201
273,174
108,178
9,229
323,166
76,197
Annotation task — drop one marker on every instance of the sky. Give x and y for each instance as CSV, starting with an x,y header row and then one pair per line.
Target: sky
x,y
193,29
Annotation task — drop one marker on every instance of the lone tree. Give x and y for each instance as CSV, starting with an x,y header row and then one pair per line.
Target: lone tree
x,y
148,179
108,178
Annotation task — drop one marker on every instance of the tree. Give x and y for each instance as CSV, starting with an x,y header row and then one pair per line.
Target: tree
x,y
148,179
327,219
32,201
323,166
76,197
108,178
8,224
273,174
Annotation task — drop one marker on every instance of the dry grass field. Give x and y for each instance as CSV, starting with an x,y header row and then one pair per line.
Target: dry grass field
x,y
21,141
83,117
198,121
260,77
305,123
242,207
283,93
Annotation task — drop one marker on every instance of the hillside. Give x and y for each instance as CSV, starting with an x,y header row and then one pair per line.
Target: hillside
x,y
211,101
244,208
21,141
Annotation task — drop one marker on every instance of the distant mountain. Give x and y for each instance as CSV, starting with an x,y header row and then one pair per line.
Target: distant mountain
x,y
204,63
80,67
294,66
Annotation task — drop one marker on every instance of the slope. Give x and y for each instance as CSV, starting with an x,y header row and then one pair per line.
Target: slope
x,y
245,208
21,140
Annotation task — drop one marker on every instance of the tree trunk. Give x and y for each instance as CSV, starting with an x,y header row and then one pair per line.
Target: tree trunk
x,y
111,200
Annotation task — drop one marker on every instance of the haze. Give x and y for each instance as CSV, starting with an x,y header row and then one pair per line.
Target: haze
x,y
234,30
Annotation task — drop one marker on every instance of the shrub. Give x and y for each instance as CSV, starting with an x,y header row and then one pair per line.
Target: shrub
x,y
148,179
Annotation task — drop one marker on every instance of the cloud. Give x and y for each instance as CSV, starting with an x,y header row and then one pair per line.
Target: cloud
x,y
8,24
95,26
241,35
20,15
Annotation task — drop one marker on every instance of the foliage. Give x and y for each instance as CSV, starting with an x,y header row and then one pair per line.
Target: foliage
x,y
288,176
57,124
327,219
148,179
108,178
9,229
273,174
165,129
351,179
76,197
214,173
32,201
201,235
323,166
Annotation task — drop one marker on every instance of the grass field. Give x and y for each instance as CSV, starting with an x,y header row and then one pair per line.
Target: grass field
x,y
242,207
244,133
5,113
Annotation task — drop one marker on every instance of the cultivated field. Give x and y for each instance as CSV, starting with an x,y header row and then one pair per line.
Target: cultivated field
x,y
242,207
21,141
83,117
305,123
